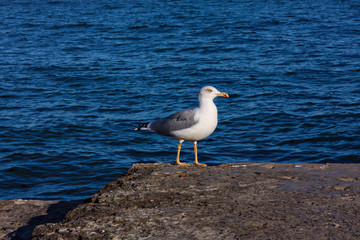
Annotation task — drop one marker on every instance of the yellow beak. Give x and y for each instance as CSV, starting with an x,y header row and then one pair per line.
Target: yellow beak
x,y
223,94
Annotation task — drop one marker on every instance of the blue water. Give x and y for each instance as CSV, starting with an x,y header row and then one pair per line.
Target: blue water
x,y
76,78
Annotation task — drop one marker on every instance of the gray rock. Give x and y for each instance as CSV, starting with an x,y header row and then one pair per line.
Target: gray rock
x,y
230,201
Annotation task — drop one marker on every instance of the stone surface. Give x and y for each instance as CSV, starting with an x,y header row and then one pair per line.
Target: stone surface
x,y
19,217
230,201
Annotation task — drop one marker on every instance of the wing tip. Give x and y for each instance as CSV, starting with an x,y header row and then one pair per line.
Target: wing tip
x,y
142,126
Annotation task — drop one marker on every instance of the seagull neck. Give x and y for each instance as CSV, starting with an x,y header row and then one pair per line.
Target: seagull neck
x,y
206,102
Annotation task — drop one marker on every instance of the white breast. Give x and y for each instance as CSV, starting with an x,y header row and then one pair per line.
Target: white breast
x,y
206,116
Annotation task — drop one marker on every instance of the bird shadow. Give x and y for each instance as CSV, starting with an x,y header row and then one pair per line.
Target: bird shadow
x,y
55,213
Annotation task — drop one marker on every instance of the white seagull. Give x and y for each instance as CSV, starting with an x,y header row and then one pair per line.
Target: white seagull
x,y
189,125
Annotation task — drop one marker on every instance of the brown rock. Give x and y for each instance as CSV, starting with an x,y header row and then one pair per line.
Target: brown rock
x,y
19,217
230,201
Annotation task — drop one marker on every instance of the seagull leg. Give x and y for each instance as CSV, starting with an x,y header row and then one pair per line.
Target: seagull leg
x,y
178,155
196,159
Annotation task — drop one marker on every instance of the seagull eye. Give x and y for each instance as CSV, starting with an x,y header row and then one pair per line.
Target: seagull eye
x,y
209,90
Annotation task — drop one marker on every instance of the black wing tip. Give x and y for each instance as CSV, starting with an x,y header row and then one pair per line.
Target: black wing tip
x,y
142,126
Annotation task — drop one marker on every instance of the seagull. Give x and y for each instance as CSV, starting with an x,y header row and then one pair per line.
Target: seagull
x,y
189,125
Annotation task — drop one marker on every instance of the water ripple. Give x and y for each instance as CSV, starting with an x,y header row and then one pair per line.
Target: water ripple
x,y
78,76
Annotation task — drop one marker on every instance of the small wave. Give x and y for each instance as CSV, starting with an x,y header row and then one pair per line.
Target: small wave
x,y
316,140
72,26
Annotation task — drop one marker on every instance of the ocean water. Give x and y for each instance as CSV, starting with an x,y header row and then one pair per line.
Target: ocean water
x,y
76,78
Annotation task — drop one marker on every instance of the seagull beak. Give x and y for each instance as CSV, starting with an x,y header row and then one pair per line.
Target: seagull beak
x,y
223,94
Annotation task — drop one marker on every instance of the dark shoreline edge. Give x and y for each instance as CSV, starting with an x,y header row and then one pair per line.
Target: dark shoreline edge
x,y
237,200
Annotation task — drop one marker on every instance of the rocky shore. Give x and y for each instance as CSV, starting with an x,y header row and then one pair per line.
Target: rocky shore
x,y
229,201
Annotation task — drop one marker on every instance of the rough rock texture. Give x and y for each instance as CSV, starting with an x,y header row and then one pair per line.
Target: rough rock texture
x,y
230,201
19,217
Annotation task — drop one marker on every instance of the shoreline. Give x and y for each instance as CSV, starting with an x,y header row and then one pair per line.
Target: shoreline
x,y
228,201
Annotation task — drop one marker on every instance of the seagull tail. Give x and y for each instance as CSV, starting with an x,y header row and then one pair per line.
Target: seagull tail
x,y
143,126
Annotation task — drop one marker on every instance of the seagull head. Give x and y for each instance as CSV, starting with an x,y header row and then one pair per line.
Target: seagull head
x,y
211,93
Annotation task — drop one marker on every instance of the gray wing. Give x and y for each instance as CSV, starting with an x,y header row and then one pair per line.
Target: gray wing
x,y
176,121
